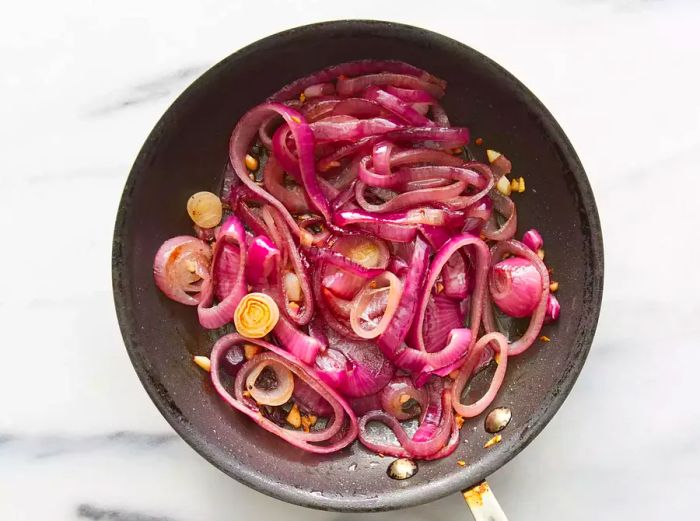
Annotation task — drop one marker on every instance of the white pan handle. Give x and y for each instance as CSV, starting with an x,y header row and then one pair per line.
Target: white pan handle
x,y
483,503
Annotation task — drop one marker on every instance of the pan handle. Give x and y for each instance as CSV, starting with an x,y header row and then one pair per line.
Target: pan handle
x,y
483,503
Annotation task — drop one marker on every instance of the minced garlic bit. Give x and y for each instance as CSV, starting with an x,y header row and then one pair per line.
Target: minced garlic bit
x,y
459,420
545,338
308,421
479,141
294,417
454,374
492,155
496,439
461,463
302,97
497,358
521,184
540,254
295,119
246,393
439,287
250,350
553,286
251,163
514,185
203,362
404,398
503,185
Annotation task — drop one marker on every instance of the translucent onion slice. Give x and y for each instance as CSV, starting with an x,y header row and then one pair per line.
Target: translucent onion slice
x,y
270,383
256,315
179,266
205,209
388,286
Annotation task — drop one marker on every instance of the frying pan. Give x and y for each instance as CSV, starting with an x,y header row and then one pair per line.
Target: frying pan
x,y
186,152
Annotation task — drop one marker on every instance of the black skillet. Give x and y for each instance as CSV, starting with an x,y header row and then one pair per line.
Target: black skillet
x,y
186,152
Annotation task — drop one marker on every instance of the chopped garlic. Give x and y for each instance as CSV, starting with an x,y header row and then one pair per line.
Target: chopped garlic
x,y
503,185
540,254
553,286
492,155
203,362
294,417
521,183
250,350
251,163
496,439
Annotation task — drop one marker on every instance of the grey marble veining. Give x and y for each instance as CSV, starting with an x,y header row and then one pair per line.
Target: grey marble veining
x,y
82,85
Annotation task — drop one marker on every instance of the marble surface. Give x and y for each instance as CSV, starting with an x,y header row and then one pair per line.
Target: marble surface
x,y
82,85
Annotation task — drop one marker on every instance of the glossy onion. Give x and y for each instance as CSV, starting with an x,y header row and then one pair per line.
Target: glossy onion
x,y
205,209
256,315
515,286
270,383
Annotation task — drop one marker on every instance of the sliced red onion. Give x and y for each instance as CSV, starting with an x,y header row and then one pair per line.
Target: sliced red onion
x,y
455,277
357,107
354,68
435,235
363,324
179,266
341,413
391,341
500,166
515,286
440,116
247,129
553,309
354,368
273,395
320,89
347,272
310,401
478,214
414,216
506,207
301,345
349,86
292,197
330,129
303,314
262,256
402,399
441,258
397,106
432,137
358,147
442,315
533,240
516,248
500,343
427,444
214,316
410,95
227,266
365,404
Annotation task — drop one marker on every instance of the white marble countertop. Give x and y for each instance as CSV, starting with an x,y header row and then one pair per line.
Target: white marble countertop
x,y
84,82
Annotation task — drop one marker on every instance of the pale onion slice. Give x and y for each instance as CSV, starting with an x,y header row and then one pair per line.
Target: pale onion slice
x,y
256,315
385,286
270,383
